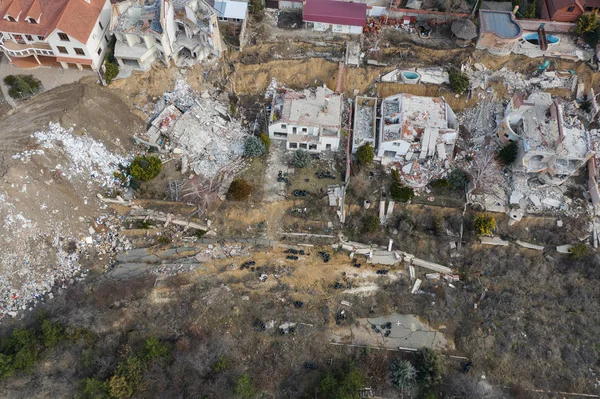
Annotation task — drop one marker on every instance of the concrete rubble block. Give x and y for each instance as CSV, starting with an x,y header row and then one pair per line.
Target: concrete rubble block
x,y
564,249
411,272
535,200
515,197
451,277
530,246
432,276
493,241
416,286
431,266
551,202
382,212
346,303
348,247
383,259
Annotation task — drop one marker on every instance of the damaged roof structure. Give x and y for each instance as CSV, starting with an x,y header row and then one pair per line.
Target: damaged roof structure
x,y
310,119
146,31
365,122
418,134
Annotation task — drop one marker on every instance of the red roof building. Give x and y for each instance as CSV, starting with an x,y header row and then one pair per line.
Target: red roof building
x,y
340,16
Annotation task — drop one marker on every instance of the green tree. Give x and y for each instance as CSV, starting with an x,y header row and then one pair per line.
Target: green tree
x,y
484,225
145,167
440,183
111,70
459,81
365,154
154,349
258,9
458,179
429,366
244,387
508,154
7,367
52,333
239,190
343,384
266,140
119,387
371,223
579,251
254,147
402,373
92,388
301,159
400,192
587,22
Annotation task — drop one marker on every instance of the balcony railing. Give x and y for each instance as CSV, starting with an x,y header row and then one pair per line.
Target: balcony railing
x,y
14,49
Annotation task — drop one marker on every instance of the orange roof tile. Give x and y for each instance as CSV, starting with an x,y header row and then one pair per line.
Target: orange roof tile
x,y
74,17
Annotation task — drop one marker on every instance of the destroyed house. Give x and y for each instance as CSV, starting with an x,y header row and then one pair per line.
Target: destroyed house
x,y
548,146
72,33
308,119
146,31
365,122
414,127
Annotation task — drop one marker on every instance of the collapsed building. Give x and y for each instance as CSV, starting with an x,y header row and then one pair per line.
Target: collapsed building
x,y
199,130
365,122
310,119
417,134
552,148
548,147
150,30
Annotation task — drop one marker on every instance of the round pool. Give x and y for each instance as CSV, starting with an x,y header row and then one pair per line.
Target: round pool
x,y
534,39
410,77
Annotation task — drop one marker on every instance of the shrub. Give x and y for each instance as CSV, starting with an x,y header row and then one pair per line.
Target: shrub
x,y
458,179
119,387
429,366
458,81
402,373
508,154
199,233
239,190
154,349
20,86
258,9
343,384
145,167
371,223
244,387
484,225
266,140
440,183
396,175
52,333
111,70
254,147
219,365
579,251
365,154
401,193
163,240
301,159
92,388
587,22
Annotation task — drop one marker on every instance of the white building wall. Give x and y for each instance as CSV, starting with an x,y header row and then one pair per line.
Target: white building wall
x,y
335,28
283,131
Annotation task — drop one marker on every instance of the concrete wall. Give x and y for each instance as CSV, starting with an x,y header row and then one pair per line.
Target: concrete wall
x,y
432,17
334,28
551,26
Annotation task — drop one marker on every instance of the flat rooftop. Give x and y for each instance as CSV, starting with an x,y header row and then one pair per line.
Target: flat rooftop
x,y
319,107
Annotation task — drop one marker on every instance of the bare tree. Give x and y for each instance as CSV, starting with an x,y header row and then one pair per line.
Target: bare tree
x,y
463,386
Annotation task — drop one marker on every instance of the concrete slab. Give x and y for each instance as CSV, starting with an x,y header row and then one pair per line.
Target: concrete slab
x,y
406,331
493,241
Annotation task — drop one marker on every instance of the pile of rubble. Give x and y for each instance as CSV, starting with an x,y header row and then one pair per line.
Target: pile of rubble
x,y
197,127
88,159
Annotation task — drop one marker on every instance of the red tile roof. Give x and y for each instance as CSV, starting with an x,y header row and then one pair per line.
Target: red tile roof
x,y
335,12
76,18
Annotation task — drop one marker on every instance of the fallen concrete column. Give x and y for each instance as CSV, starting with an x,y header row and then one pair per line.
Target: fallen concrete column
x,y
530,246
564,249
431,266
118,200
382,212
183,223
493,241
416,286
